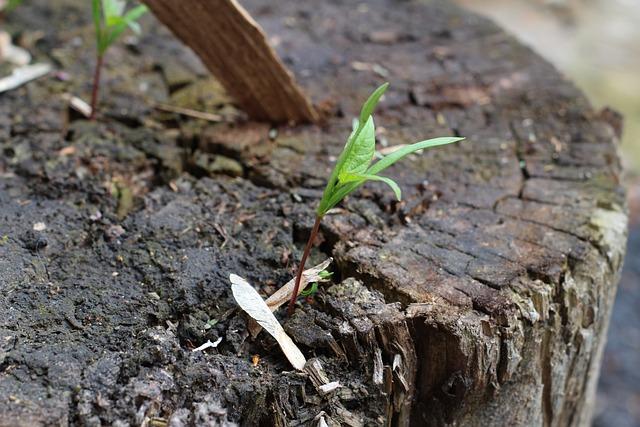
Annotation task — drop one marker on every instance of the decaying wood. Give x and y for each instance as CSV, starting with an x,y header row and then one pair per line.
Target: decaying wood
x,y
505,251
236,51
481,299
377,334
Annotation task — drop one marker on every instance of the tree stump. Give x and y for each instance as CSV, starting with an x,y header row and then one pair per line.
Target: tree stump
x,y
481,299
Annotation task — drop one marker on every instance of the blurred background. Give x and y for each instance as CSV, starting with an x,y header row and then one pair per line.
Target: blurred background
x,y
596,43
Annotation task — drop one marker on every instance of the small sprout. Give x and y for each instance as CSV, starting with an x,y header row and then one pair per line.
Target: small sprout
x,y
313,289
11,5
325,275
354,168
210,324
110,21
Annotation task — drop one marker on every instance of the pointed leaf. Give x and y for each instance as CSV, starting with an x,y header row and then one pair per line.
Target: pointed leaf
x,y
391,183
11,5
390,159
337,195
361,151
341,191
132,16
112,8
358,126
135,27
97,22
370,104
115,31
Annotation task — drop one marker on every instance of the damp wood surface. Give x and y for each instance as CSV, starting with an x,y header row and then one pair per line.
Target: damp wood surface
x,y
481,299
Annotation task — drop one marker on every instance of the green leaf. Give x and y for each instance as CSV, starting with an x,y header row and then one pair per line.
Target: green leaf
x,y
11,5
324,274
358,126
133,15
372,101
311,291
352,168
338,193
360,152
391,183
390,159
115,31
116,21
336,196
113,8
96,9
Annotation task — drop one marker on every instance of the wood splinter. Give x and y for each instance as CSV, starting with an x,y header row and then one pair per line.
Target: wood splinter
x,y
235,49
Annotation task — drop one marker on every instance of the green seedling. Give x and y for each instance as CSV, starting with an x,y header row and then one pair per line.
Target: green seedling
x,y
110,20
11,5
313,289
7,6
354,168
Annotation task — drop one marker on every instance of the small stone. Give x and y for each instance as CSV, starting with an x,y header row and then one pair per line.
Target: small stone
x,y
114,231
95,216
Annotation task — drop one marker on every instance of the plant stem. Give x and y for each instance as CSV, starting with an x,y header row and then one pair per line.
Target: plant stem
x,y
96,84
305,255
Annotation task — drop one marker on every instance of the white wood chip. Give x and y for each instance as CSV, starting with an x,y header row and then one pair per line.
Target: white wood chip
x,y
208,344
329,387
12,53
22,75
250,301
78,104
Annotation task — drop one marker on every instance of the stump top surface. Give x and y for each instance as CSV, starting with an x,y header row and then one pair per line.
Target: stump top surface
x,y
534,187
499,243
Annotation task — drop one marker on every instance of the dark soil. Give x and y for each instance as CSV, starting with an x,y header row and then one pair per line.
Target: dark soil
x,y
146,214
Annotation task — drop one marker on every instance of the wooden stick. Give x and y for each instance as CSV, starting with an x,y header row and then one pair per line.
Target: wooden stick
x,y
235,49
283,294
189,112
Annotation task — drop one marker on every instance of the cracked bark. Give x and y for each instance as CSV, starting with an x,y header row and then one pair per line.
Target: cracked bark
x,y
505,253
481,299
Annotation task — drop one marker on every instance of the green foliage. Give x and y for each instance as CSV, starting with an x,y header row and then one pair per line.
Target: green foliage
x,y
313,288
325,275
110,20
354,168
311,291
12,4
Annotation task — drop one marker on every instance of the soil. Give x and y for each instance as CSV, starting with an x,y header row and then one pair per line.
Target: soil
x,y
117,237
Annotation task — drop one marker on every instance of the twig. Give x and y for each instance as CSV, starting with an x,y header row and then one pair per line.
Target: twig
x,y
305,255
283,294
189,112
96,86
208,344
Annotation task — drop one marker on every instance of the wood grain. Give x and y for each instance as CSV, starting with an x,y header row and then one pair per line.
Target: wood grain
x,y
236,51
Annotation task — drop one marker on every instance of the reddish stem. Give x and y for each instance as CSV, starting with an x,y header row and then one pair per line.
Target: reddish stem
x,y
305,255
96,84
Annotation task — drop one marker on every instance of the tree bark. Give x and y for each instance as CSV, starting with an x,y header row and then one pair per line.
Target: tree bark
x,y
236,51
481,299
